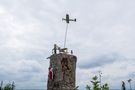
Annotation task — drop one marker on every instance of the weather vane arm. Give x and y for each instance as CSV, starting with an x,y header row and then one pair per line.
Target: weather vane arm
x,y
67,19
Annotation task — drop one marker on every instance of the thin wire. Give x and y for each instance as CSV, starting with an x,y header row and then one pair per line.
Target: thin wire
x,y
65,36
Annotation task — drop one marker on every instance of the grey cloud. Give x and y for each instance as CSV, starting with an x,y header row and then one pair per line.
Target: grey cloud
x,y
12,54
132,75
99,61
29,28
22,71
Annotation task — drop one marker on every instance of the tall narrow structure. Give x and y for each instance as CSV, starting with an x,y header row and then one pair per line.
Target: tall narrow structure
x,y
62,69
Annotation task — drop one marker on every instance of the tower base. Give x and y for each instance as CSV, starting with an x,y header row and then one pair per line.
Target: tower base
x,y
62,72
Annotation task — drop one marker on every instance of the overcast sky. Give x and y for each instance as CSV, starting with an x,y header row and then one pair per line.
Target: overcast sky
x,y
103,38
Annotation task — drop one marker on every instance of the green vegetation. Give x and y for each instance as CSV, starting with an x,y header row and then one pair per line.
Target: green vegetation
x,y
76,88
105,87
8,86
87,87
96,85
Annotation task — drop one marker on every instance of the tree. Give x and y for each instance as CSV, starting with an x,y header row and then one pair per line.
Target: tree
x,y
105,87
76,88
87,87
95,83
8,87
129,81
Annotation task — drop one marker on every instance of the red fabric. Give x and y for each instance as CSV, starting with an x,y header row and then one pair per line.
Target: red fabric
x,y
51,73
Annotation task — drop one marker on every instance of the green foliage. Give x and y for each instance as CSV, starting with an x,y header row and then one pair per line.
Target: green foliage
x,y
8,87
105,87
95,83
76,88
87,87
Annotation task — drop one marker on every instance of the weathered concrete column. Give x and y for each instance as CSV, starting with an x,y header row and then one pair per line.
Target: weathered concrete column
x,y
62,72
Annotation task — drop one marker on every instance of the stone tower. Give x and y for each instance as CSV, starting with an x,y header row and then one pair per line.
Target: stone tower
x,y
62,70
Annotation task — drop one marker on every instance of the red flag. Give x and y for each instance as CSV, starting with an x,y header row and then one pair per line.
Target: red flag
x,y
51,73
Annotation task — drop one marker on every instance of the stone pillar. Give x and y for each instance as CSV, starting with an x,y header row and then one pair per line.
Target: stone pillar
x,y
62,72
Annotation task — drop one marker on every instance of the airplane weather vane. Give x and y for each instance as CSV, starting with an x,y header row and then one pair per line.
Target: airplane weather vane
x,y
67,19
